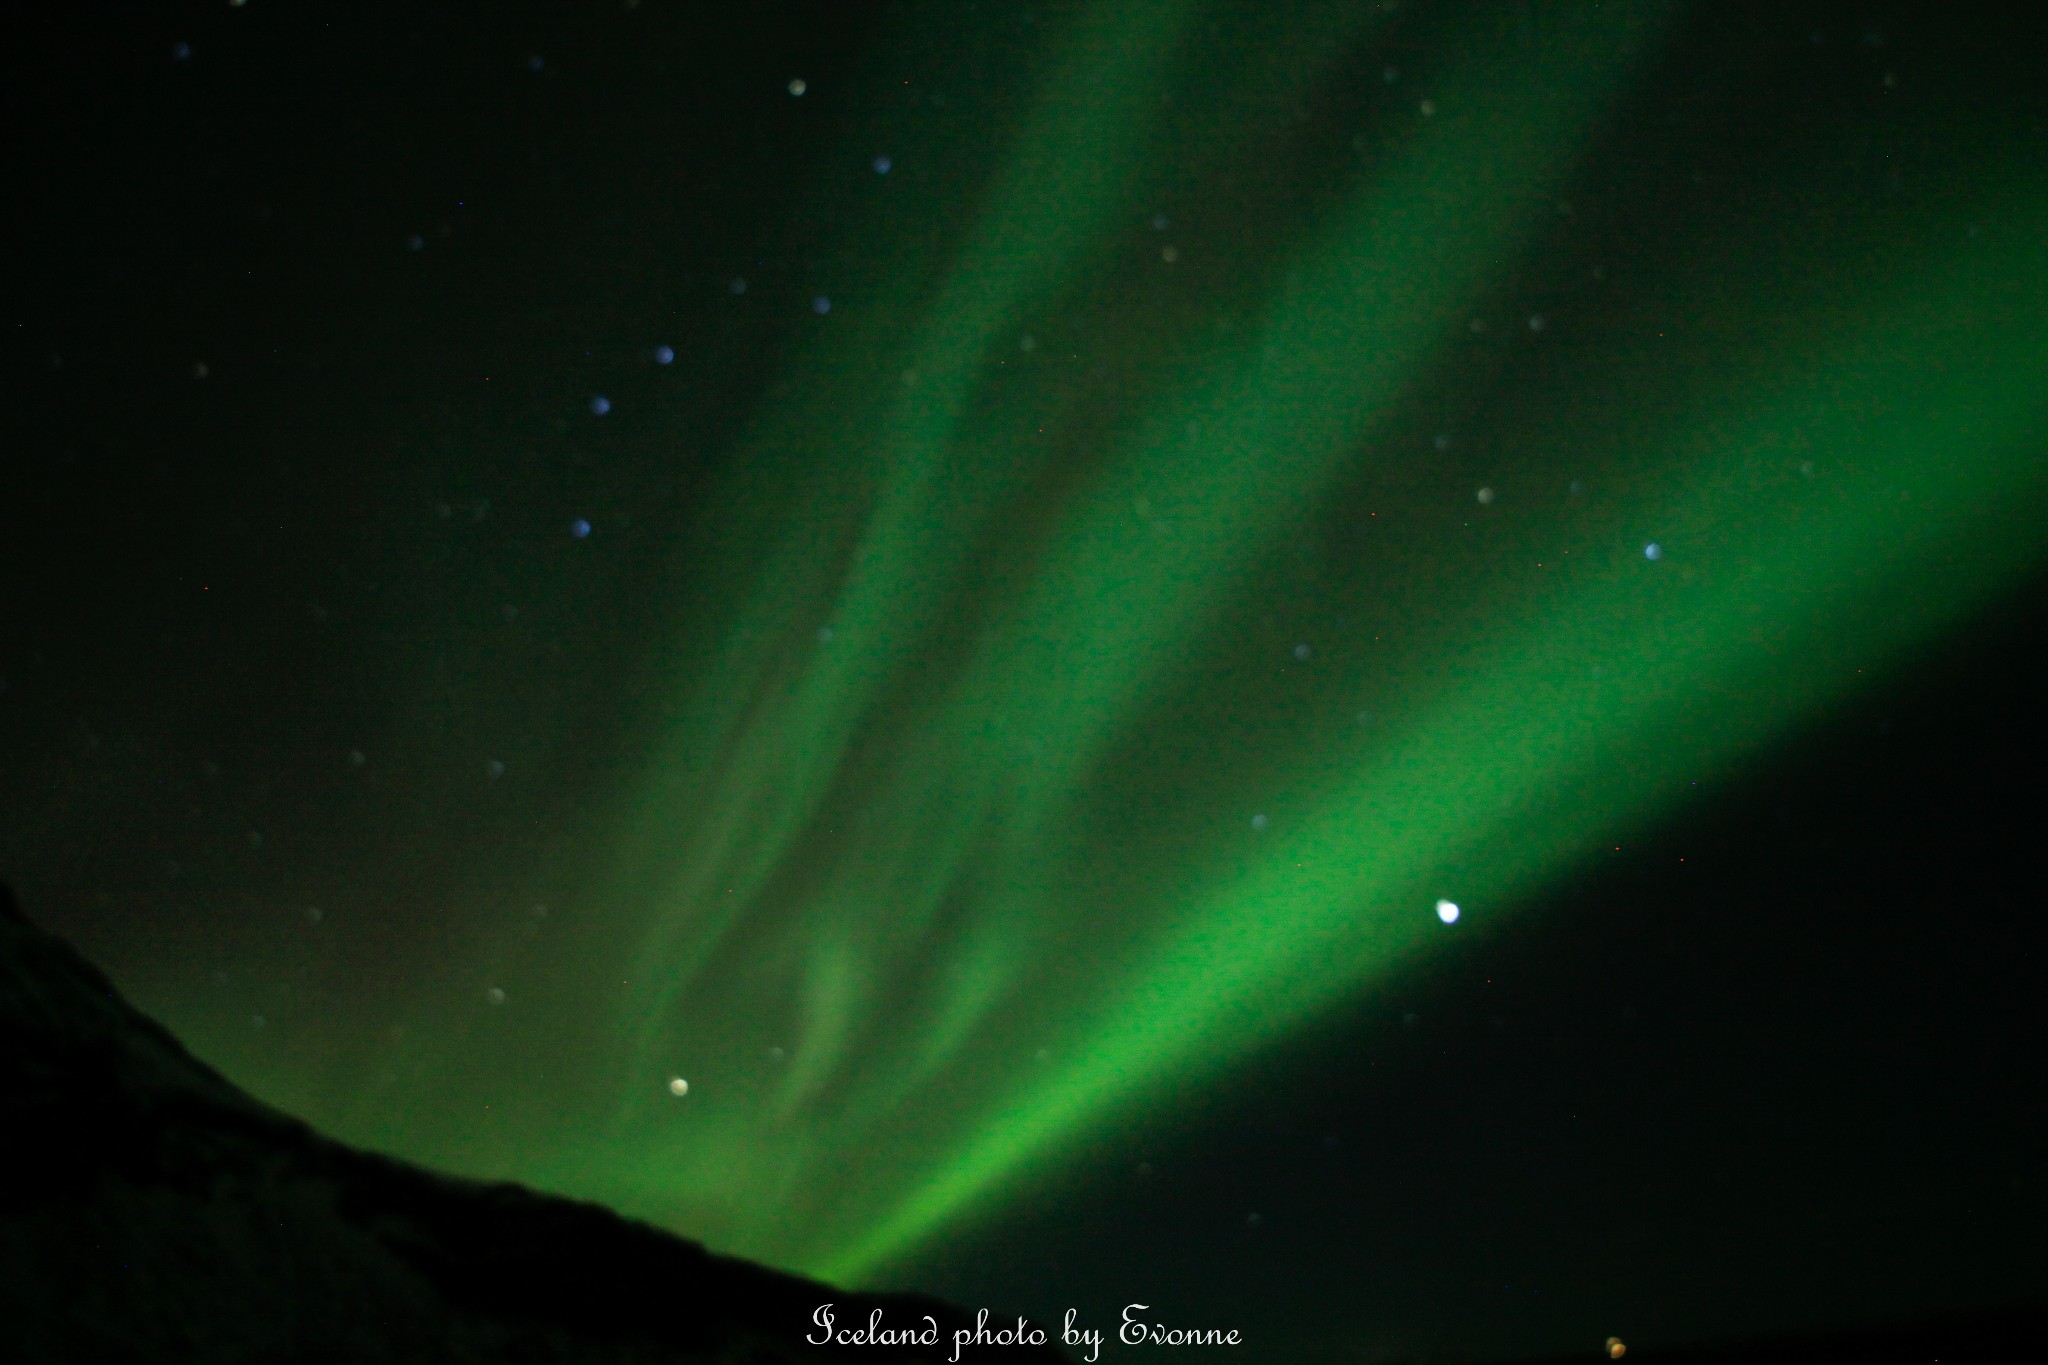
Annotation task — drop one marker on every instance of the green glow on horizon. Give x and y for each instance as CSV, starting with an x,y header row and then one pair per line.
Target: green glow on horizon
x,y
901,862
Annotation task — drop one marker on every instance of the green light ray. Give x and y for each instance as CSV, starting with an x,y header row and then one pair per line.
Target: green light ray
x,y
1362,313
1099,129
1505,773
1279,422
863,896
1064,180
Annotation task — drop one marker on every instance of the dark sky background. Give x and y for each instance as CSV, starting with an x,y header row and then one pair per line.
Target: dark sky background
x,y
1782,1065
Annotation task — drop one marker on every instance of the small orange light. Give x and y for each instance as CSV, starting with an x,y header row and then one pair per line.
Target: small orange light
x,y
1615,1349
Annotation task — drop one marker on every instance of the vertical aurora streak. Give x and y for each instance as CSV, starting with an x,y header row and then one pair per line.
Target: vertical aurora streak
x,y
880,891
1509,771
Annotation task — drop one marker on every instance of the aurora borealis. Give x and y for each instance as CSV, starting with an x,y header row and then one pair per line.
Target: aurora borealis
x,y
1141,500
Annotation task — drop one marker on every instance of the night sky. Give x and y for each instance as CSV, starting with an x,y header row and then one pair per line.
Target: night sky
x,y
1369,673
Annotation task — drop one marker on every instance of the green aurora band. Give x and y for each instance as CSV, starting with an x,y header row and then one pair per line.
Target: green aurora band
x,y
946,863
